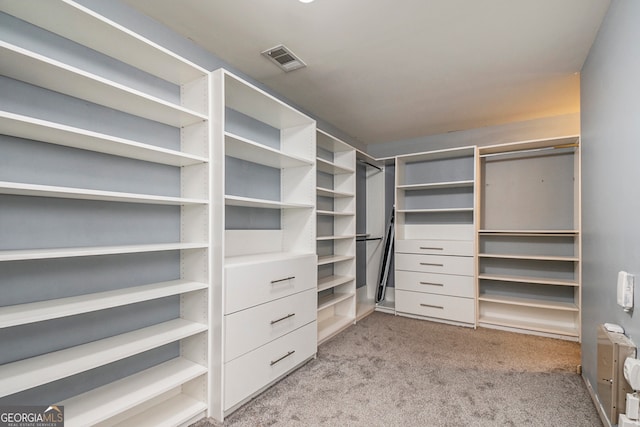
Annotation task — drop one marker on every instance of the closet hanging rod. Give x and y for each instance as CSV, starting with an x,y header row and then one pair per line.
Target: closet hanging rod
x,y
370,164
368,239
530,150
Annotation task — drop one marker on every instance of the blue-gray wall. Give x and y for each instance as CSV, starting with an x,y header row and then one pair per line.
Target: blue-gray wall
x,y
610,117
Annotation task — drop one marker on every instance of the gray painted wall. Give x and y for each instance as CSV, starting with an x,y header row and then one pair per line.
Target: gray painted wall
x,y
610,91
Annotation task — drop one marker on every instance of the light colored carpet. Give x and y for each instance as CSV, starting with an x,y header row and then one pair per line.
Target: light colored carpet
x,y
396,371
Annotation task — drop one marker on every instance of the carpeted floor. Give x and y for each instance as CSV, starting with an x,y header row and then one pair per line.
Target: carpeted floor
x,y
396,371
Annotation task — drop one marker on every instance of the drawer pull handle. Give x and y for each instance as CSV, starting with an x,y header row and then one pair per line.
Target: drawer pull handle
x,y
288,316
273,362
432,306
432,264
431,284
427,248
282,280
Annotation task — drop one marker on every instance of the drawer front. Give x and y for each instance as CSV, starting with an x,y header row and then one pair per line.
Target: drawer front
x,y
437,306
443,284
256,326
435,264
435,247
249,285
249,373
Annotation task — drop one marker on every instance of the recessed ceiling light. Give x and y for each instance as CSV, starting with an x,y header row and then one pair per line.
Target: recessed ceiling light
x,y
305,1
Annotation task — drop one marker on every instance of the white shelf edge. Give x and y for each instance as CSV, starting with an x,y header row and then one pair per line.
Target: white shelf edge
x,y
33,254
59,134
33,372
330,259
530,326
24,65
172,412
252,151
250,202
333,281
532,280
112,399
330,326
37,190
530,257
21,314
328,192
333,299
333,213
329,238
329,167
532,233
528,302
435,210
437,185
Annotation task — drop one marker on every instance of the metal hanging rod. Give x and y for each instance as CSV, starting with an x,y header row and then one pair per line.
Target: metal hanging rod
x,y
531,150
370,164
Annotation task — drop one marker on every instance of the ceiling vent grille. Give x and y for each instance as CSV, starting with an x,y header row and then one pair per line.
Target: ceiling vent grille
x,y
284,58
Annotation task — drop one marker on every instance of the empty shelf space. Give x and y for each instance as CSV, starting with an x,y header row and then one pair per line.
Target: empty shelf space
x,y
331,168
59,134
332,299
332,325
522,279
108,37
52,309
333,281
330,259
36,190
333,213
528,302
30,67
541,233
531,257
324,238
251,151
249,202
175,411
437,185
33,372
32,254
327,192
535,326
113,399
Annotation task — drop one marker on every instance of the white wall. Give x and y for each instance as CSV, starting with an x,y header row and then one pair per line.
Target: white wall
x,y
611,174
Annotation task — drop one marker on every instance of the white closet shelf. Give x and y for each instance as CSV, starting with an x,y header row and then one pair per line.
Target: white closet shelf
x,y
529,326
528,302
246,260
333,213
531,257
32,254
102,403
437,185
331,325
524,279
333,281
175,411
327,192
68,136
438,155
331,259
246,98
106,36
250,202
251,151
33,372
52,309
443,210
332,299
329,167
533,233
30,67
324,238
37,190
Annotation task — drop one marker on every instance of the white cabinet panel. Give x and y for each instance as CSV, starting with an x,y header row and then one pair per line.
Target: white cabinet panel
x,y
443,284
435,264
435,247
437,306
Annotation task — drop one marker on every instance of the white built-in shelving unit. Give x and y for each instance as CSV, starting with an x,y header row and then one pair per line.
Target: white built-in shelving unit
x,y
529,237
434,247
265,235
179,386
336,234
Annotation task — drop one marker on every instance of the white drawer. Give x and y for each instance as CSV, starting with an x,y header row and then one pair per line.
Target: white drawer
x,y
437,306
435,264
256,326
435,247
250,284
253,371
443,284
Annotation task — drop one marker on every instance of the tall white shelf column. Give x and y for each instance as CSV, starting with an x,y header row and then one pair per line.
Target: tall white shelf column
x,y
180,386
265,235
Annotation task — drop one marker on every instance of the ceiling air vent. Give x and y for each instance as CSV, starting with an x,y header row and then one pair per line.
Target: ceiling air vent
x,y
284,58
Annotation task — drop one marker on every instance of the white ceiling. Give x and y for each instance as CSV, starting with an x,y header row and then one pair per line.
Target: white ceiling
x,y
388,70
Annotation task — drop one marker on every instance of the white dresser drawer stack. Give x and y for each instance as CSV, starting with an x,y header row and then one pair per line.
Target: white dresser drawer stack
x,y
270,321
435,279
